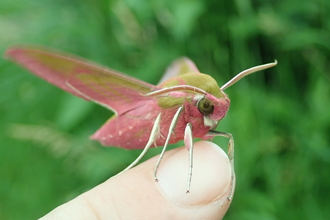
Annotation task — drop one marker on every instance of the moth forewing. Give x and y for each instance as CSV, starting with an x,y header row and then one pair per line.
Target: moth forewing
x,y
180,66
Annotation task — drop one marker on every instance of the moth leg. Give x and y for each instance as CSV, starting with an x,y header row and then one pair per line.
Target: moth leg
x,y
170,131
230,155
188,142
152,139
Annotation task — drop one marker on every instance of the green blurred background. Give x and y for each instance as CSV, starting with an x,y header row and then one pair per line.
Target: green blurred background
x,y
280,118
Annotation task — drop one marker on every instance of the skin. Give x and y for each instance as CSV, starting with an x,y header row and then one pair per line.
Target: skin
x,y
135,195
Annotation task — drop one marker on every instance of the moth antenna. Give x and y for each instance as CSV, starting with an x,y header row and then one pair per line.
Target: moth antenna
x,y
247,72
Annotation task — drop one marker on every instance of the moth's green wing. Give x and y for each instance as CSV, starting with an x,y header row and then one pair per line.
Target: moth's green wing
x,y
83,78
178,67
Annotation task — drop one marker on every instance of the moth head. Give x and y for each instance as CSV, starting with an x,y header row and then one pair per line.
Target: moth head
x,y
213,109
205,106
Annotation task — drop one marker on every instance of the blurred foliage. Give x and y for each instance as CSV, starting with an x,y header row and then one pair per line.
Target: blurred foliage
x,y
280,118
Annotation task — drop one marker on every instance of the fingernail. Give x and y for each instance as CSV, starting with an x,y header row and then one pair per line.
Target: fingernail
x,y
211,175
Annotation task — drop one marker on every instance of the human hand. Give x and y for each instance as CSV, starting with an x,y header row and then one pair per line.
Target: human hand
x,y
134,194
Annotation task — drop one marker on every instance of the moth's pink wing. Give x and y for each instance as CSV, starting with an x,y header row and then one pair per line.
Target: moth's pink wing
x,y
83,78
180,66
130,130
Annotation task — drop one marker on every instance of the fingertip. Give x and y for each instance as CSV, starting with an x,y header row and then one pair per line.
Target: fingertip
x,y
211,175
134,194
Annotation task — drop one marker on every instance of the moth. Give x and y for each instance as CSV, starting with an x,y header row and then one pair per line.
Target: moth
x,y
186,104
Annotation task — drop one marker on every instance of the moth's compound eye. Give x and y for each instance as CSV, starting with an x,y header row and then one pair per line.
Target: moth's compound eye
x,y
205,106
